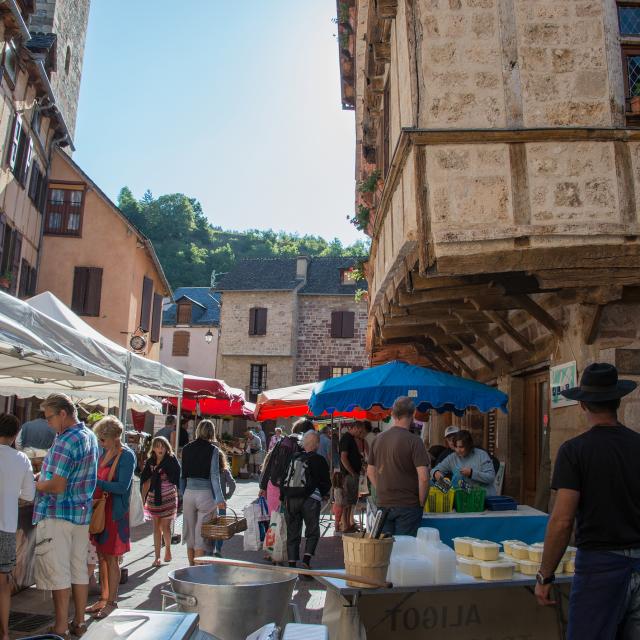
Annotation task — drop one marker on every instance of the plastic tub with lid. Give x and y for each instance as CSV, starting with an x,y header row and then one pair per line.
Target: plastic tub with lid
x,y
535,552
528,567
508,546
462,545
520,551
485,550
499,570
470,566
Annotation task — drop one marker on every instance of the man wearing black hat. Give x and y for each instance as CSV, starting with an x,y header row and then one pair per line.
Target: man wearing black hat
x,y
597,479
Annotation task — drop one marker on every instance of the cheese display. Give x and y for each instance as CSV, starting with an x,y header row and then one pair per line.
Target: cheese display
x,y
470,566
520,551
463,546
508,546
535,552
499,570
528,567
570,566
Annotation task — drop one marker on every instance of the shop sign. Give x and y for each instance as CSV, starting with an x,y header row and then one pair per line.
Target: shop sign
x,y
563,376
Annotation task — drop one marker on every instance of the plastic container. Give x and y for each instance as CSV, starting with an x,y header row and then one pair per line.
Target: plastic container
x,y
438,502
444,562
462,546
470,501
528,567
508,546
404,545
485,550
570,566
428,534
535,552
570,552
469,566
497,570
413,571
520,551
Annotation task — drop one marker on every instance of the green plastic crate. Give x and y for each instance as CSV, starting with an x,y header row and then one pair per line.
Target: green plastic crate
x,y
470,502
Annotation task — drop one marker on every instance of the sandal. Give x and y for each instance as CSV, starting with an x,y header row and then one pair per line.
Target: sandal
x,y
65,636
96,606
157,563
76,629
106,610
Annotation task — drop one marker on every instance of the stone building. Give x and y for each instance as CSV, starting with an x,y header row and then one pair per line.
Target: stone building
x,y
287,321
68,21
500,141
97,262
31,126
190,330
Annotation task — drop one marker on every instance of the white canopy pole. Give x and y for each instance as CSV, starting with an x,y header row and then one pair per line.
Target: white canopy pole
x,y
178,416
124,394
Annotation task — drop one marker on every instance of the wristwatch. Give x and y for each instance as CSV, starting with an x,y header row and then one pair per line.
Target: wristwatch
x,y
540,579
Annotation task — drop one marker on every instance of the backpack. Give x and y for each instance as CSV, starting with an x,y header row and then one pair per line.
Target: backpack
x,y
297,480
280,458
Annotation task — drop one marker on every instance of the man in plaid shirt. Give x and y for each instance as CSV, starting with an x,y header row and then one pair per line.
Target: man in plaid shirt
x,y
62,513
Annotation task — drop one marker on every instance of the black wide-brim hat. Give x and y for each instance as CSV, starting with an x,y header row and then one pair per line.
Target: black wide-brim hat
x,y
600,383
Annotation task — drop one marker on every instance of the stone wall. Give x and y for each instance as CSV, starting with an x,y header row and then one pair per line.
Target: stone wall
x,y
68,19
316,347
281,331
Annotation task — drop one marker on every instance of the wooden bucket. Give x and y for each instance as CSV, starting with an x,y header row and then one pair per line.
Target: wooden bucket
x,y
366,557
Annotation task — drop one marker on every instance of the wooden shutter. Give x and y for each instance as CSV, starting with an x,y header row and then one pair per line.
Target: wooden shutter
x,y
325,372
156,320
25,274
252,322
354,369
15,265
12,156
348,321
94,292
147,301
261,322
184,313
336,324
34,183
80,284
2,237
180,345
33,279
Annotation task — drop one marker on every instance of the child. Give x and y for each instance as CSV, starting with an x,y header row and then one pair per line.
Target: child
x,y
160,479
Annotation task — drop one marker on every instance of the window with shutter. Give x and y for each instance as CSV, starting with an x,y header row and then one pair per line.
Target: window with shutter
x,y
336,324
26,162
87,291
10,63
147,302
257,321
33,280
16,251
181,341
6,264
325,372
25,274
156,319
12,157
64,210
184,313
342,324
257,381
34,183
3,227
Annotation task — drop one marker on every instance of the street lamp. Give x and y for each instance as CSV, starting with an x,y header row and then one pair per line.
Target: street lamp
x,y
208,337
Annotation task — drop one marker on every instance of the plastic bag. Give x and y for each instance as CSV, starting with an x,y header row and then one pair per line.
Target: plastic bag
x,y
275,542
256,514
136,508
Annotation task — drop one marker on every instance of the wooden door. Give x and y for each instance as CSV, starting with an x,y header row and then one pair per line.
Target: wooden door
x,y
535,423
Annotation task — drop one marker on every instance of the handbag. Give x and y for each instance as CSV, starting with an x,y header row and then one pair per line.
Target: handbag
x,y
98,523
275,542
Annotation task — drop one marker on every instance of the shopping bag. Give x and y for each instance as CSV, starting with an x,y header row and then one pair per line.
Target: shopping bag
x,y
363,486
256,514
275,542
136,508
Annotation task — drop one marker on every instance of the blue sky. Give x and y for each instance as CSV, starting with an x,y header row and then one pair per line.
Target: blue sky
x,y
234,103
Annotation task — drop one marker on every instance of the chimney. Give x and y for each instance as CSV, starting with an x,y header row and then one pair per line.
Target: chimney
x,y
302,265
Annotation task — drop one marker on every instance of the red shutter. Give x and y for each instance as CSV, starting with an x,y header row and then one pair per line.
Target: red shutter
x,y
147,301
94,292
15,266
80,284
325,372
156,320
348,321
252,322
261,322
336,324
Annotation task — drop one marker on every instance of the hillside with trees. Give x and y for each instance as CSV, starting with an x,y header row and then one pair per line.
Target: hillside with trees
x,y
192,250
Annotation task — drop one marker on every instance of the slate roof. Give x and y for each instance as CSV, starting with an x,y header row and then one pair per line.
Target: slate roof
x,y
41,42
279,274
205,311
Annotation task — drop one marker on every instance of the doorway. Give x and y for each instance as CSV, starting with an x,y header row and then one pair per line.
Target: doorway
x,y
536,466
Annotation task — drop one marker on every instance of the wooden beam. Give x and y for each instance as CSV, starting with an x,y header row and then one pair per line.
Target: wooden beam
x,y
569,278
449,293
444,307
376,84
494,316
537,312
387,9
426,283
494,303
454,356
475,352
489,342
592,323
382,52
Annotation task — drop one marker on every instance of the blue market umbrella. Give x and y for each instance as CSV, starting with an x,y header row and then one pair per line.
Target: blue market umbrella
x,y
380,386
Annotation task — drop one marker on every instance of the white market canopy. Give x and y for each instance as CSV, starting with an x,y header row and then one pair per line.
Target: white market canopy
x,y
45,347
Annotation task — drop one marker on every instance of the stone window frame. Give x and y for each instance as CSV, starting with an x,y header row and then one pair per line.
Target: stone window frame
x,y
257,380
629,45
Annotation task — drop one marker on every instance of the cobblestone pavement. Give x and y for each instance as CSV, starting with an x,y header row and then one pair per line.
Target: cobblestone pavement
x,y
142,591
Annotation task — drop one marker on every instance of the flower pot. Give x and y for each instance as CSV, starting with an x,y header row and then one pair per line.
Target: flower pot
x,y
5,283
635,104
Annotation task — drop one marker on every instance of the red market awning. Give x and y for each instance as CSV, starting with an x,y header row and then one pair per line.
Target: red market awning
x,y
216,407
196,386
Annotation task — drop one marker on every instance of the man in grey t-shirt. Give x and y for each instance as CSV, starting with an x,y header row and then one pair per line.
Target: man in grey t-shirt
x,y
36,434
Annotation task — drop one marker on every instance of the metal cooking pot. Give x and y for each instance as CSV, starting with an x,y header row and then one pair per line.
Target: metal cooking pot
x,y
233,602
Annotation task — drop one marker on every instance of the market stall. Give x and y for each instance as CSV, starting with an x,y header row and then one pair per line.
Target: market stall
x,y
467,608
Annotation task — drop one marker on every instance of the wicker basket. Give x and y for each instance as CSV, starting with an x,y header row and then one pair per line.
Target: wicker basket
x,y
223,527
366,557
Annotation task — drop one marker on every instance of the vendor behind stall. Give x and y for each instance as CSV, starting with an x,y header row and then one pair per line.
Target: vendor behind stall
x,y
471,464
36,434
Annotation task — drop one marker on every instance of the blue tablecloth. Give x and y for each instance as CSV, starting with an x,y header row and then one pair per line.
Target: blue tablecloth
x,y
526,524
